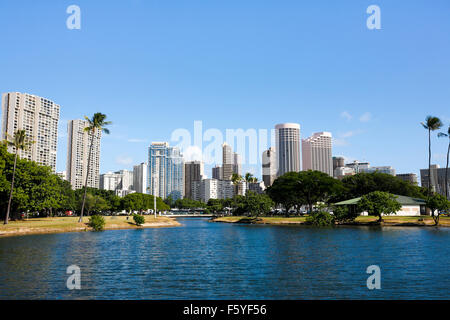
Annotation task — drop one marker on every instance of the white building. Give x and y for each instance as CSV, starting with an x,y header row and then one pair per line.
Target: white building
x,y
62,175
78,146
287,137
341,172
39,118
383,169
121,182
110,181
358,166
212,189
237,166
140,176
269,167
410,206
317,153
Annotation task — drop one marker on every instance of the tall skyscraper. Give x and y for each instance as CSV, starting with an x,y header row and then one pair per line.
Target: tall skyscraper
x,y
217,172
237,165
437,182
39,118
193,171
165,171
140,176
269,167
317,153
227,162
287,137
79,143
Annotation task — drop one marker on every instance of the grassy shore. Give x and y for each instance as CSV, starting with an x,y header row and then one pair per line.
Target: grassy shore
x,y
362,220
70,224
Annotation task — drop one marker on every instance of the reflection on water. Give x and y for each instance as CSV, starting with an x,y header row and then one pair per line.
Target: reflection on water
x,y
204,260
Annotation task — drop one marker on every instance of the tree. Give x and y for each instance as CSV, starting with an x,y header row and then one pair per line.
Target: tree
x,y
284,191
138,219
215,205
320,218
236,179
447,135
437,203
431,124
97,123
20,141
316,186
94,203
344,214
169,201
363,183
97,222
257,204
377,203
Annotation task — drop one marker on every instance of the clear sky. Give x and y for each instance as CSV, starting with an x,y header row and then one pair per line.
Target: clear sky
x,y
156,66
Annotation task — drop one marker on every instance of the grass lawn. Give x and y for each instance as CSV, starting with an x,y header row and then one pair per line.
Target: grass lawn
x,y
70,224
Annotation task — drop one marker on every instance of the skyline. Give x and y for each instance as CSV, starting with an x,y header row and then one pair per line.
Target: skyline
x,y
320,68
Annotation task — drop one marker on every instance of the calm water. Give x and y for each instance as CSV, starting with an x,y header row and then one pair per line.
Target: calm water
x,y
204,260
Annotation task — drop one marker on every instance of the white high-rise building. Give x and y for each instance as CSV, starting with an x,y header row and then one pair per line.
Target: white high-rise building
x,y
287,136
39,118
269,167
110,181
140,176
317,153
212,189
79,143
121,182
237,164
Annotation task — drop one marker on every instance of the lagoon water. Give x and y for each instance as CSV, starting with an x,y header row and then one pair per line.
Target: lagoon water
x,y
204,260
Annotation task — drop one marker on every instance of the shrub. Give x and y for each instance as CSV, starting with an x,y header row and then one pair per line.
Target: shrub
x,y
96,222
138,219
344,214
320,219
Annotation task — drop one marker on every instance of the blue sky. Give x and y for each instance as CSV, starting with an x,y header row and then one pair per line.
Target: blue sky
x,y
156,66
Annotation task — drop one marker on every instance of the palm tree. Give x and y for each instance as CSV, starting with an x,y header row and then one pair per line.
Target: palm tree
x,y
431,124
248,177
443,134
236,178
97,123
20,141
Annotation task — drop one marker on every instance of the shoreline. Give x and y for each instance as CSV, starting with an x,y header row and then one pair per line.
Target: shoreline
x,y
69,224
365,221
